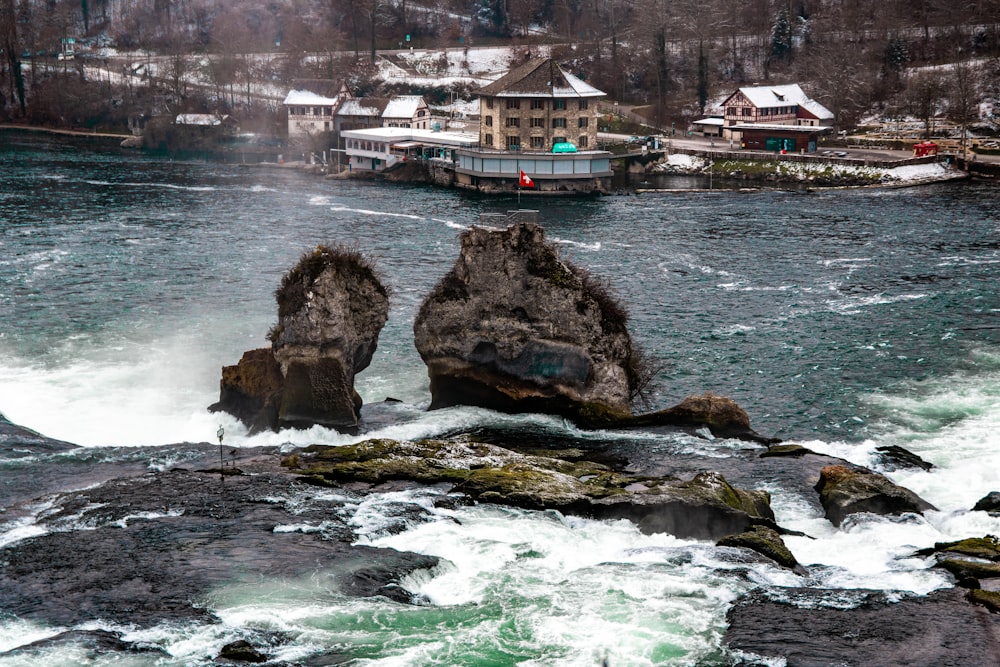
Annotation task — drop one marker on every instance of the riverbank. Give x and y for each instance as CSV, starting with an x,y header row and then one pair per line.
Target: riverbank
x,y
814,173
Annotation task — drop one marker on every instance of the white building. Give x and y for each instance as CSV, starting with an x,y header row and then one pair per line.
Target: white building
x,y
311,106
379,148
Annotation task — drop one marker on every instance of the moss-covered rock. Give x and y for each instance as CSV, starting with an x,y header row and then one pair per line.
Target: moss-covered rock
x,y
765,541
964,570
704,507
988,599
987,548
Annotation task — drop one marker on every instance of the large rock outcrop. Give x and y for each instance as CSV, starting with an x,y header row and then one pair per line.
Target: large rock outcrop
x,y
331,308
703,507
514,328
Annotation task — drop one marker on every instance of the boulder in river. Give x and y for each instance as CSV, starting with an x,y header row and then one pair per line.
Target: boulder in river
x,y
845,491
331,308
514,328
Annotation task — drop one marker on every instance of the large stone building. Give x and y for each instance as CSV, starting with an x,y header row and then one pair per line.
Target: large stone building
x,y
537,106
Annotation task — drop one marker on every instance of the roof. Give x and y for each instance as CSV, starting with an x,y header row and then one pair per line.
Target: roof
x,y
539,77
396,135
709,121
363,106
317,92
205,119
307,98
768,97
778,127
403,106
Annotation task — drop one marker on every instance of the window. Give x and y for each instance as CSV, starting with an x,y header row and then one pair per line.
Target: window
x,y
558,140
583,104
558,122
488,140
558,105
489,102
513,142
538,142
537,104
582,141
514,122
746,111
537,122
582,121
489,121
513,104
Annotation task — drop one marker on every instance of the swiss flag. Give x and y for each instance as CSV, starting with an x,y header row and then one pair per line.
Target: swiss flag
x,y
525,181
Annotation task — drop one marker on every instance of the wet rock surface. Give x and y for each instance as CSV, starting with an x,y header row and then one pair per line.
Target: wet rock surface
x,y
145,550
844,491
703,507
819,628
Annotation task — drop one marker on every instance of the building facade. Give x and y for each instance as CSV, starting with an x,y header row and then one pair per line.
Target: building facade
x,y
536,107
753,114
312,105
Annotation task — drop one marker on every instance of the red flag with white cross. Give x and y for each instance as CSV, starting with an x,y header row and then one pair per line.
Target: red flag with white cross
x,y
525,181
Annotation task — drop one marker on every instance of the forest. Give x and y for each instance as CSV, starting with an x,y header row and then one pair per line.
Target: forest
x,y
859,58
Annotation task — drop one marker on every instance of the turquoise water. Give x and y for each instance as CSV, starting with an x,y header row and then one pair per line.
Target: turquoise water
x,y
843,320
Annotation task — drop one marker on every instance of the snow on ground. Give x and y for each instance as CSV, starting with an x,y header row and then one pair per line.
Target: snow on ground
x,y
806,171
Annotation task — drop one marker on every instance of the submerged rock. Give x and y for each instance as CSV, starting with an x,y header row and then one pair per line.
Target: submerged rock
x,y
331,308
514,328
704,507
845,491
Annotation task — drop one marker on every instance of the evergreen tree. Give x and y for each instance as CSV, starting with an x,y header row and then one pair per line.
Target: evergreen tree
x,y
781,36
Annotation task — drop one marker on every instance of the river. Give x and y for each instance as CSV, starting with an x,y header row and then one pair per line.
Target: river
x,y
842,320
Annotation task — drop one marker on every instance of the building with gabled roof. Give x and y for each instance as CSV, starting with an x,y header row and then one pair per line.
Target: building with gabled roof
x,y
775,118
311,106
407,111
359,113
536,106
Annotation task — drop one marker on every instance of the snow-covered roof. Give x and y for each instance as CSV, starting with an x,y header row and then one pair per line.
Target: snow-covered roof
x,y
768,97
709,121
362,106
306,98
395,135
403,106
539,77
206,119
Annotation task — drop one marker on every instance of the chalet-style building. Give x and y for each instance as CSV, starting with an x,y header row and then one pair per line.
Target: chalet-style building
x,y
407,111
311,105
775,118
359,113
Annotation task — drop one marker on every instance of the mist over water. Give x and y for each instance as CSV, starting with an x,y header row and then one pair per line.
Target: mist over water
x,y
842,320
